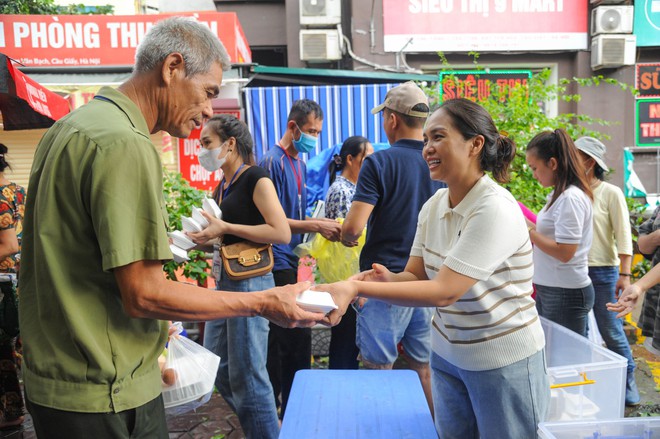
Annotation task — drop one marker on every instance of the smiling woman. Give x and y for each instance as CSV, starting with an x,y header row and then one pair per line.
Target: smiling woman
x,y
472,260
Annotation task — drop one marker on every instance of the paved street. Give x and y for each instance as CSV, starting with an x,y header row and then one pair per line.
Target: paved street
x,y
216,421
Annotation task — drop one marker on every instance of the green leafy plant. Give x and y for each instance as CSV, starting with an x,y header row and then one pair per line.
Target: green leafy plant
x,y
48,7
519,112
180,198
637,209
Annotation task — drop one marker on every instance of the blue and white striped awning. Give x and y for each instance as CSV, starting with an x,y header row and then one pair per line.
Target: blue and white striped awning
x,y
347,111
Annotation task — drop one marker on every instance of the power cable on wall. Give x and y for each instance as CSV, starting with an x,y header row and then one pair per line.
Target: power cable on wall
x,y
359,59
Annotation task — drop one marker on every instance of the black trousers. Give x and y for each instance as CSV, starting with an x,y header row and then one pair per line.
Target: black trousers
x,y
289,350
343,350
144,422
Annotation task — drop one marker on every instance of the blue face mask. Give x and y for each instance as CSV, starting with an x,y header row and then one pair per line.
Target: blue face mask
x,y
306,143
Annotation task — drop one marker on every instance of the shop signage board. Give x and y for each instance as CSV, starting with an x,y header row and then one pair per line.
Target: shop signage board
x,y
646,23
477,84
24,103
647,80
101,40
189,166
484,25
647,122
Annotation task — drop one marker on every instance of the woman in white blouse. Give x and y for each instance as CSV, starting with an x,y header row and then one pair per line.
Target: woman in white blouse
x,y
563,232
472,259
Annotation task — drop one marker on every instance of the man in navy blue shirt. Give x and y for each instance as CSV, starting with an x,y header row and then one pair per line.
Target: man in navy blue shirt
x,y
290,350
392,187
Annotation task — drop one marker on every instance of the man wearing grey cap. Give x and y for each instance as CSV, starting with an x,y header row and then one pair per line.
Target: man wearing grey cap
x,y
610,255
392,187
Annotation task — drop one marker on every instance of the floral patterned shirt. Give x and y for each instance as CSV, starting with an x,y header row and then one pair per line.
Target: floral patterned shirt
x,y
339,198
12,210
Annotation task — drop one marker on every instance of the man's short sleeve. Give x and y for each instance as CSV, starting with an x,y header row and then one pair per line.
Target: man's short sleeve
x,y
368,189
647,226
126,204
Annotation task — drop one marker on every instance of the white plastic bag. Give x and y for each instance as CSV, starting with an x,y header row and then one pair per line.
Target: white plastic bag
x,y
192,375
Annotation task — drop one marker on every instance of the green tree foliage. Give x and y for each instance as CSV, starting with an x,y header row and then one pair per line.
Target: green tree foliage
x,y
48,7
519,112
180,198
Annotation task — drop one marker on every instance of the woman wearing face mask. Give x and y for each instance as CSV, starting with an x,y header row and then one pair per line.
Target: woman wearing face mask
x,y
343,351
563,232
250,212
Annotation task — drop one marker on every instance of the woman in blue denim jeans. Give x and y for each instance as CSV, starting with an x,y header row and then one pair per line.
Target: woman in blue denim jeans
x,y
471,259
563,232
251,211
611,249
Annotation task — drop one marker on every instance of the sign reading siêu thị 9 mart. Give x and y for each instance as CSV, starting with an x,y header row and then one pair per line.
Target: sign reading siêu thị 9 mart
x,y
484,25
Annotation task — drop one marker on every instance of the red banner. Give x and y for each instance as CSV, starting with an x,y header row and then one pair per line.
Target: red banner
x,y
41,99
484,25
101,40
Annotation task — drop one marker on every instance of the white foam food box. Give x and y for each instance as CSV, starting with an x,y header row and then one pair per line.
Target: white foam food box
x,y
197,216
181,240
190,225
316,301
211,207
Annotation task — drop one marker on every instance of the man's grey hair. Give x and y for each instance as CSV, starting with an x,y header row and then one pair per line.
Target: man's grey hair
x,y
199,47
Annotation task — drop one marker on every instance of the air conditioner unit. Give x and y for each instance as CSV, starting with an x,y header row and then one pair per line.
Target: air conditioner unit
x,y
608,51
320,45
320,12
612,20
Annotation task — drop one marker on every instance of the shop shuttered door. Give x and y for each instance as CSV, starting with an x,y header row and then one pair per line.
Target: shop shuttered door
x,y
21,144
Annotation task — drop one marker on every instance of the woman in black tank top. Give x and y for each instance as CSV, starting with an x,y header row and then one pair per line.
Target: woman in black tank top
x,y
251,211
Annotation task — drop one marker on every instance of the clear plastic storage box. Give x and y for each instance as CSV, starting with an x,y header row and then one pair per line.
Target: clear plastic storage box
x,y
629,428
588,381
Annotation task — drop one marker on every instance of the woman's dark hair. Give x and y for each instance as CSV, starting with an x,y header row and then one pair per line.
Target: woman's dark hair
x,y
558,144
599,172
226,126
3,159
471,119
355,146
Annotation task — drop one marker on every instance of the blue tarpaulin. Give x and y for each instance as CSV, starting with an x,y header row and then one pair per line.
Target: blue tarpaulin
x,y
346,109
318,177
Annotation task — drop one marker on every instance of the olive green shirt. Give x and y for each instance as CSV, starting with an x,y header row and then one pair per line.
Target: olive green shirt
x,y
96,203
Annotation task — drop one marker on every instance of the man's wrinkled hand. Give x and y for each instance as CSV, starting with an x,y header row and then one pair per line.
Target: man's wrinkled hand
x,y
280,307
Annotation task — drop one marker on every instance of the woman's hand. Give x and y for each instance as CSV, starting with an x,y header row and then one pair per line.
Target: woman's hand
x,y
216,229
378,273
627,301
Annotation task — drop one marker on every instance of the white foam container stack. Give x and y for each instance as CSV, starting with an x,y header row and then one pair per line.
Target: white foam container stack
x,y
628,428
594,377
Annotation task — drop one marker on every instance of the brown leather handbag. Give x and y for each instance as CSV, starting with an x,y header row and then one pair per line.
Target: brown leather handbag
x,y
247,259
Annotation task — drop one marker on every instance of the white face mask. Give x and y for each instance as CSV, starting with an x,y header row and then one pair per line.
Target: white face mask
x,y
209,160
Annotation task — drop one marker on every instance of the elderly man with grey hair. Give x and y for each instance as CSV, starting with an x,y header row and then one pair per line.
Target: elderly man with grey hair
x,y
93,294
